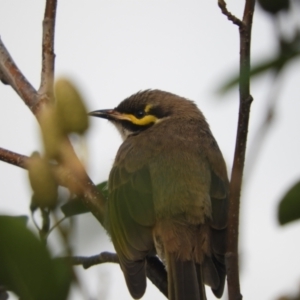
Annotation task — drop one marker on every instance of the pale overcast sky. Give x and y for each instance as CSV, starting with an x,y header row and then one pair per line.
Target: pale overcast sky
x,y
113,49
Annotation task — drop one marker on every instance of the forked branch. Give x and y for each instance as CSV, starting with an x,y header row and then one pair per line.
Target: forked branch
x,y
12,75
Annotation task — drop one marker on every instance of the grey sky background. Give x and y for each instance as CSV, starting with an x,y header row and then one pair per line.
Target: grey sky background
x,y
113,49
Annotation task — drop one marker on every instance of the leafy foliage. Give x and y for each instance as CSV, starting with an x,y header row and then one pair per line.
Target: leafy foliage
x,y
274,6
76,206
26,265
288,50
289,206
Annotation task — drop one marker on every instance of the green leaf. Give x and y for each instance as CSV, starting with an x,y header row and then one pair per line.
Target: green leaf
x,y
26,266
288,51
274,6
76,206
289,206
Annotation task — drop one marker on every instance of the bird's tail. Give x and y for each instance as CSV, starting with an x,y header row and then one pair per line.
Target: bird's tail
x,y
184,279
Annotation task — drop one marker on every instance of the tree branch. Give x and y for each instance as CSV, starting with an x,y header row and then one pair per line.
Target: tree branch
x,y
89,261
93,199
11,75
155,269
48,56
239,155
13,158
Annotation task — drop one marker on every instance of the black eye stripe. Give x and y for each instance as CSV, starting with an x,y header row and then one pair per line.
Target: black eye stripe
x,y
140,113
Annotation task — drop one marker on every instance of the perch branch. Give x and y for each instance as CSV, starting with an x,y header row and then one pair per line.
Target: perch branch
x,y
239,155
155,269
48,56
89,261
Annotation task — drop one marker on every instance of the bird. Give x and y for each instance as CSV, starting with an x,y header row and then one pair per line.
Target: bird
x,y
168,195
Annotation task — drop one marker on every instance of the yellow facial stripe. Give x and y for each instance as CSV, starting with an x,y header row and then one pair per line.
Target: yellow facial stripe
x,y
147,108
147,120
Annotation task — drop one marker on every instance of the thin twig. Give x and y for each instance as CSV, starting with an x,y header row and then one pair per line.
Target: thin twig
x,y
156,271
89,261
56,225
48,56
223,6
232,263
13,158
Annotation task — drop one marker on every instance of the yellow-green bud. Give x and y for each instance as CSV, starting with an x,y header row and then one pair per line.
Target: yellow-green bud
x,y
42,182
51,131
70,107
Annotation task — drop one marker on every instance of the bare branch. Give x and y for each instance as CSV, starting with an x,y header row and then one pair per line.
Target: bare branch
x,y
156,271
232,263
11,75
89,261
223,6
48,56
13,158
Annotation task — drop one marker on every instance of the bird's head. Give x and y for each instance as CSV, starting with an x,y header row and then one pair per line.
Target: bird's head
x,y
144,110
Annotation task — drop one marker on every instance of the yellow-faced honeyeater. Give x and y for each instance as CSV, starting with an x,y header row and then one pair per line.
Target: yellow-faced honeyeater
x,y
168,195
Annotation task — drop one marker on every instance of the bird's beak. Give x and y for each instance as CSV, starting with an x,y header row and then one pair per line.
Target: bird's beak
x,y
103,113
109,114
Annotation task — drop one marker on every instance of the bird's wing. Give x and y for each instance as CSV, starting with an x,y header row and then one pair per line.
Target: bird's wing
x,y
219,193
130,219
219,189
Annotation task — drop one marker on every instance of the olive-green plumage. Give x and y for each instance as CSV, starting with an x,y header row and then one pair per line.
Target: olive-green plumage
x,y
168,193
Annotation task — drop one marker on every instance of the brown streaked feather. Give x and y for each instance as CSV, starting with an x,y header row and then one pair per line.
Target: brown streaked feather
x,y
183,279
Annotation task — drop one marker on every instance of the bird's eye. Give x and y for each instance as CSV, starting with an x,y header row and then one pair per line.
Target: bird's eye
x,y
140,113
